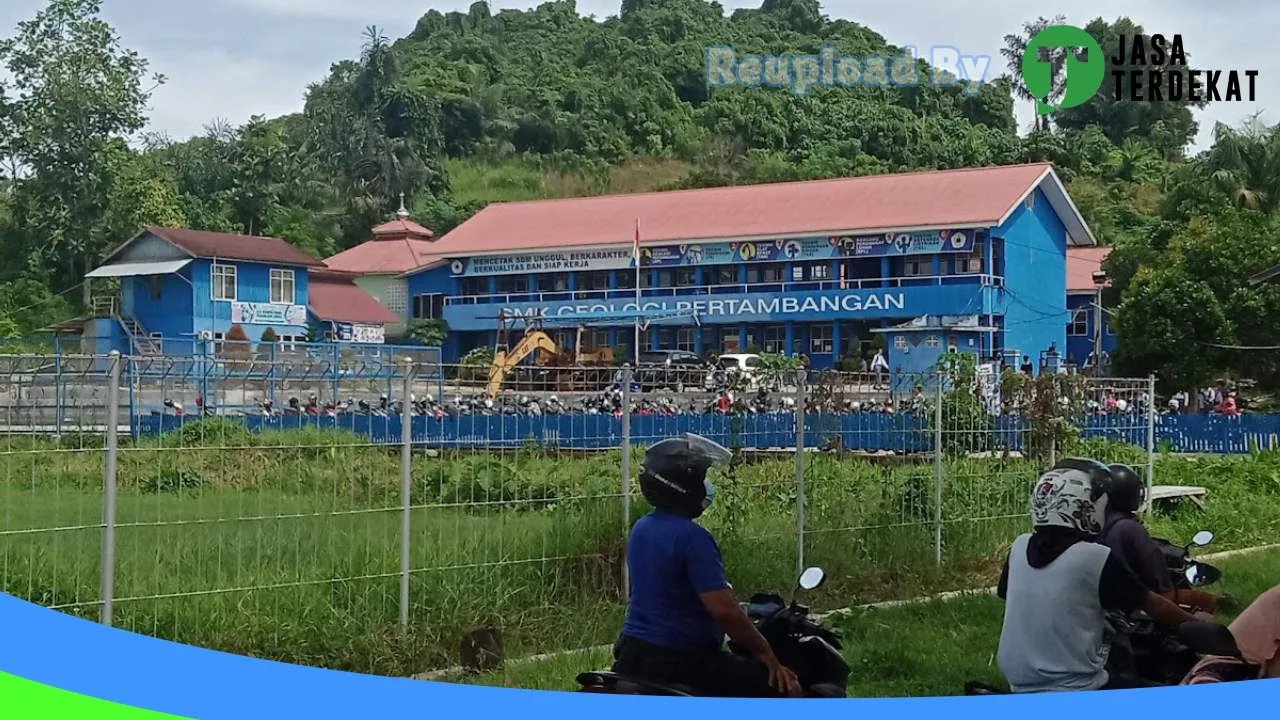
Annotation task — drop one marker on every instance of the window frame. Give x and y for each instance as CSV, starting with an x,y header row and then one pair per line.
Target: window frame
x,y
279,275
774,336
1078,316
681,337
822,335
218,274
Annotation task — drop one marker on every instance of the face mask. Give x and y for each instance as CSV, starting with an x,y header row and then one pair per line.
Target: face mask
x,y
711,493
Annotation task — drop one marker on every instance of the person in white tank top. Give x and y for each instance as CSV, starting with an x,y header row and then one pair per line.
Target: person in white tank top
x,y
1058,583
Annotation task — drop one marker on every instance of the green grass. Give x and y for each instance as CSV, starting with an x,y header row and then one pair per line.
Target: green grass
x,y
286,545
928,649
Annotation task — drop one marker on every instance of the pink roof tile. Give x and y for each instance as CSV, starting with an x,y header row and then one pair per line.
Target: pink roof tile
x,y
1082,263
402,227
384,256
950,198
335,297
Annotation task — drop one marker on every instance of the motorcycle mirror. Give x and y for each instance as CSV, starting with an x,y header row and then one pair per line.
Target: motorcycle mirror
x,y
812,578
1202,538
1193,575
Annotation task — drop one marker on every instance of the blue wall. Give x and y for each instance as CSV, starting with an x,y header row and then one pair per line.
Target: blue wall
x,y
1035,277
252,285
171,312
1079,347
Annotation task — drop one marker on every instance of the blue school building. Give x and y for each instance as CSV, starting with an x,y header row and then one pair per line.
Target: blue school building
x,y
974,259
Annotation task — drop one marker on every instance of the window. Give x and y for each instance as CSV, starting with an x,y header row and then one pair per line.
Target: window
x,y
290,342
594,339
666,278
900,342
593,281
969,264
775,339
224,282
819,271
933,341
821,339
723,275
1079,325
282,287
685,339
473,286
686,277
217,342
398,297
428,307
765,273
513,284
919,267
797,272
730,342
646,342
553,282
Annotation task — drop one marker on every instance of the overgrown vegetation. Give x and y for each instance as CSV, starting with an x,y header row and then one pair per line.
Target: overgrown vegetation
x,y
285,544
474,107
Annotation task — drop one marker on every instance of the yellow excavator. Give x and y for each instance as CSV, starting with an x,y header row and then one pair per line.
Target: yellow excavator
x,y
537,340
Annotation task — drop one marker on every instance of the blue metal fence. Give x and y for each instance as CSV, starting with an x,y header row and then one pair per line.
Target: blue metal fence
x,y
854,431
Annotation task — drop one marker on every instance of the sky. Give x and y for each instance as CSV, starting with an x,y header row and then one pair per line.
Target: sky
x,y
232,59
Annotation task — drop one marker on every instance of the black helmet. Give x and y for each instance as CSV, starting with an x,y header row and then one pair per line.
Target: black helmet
x,y
673,475
1126,490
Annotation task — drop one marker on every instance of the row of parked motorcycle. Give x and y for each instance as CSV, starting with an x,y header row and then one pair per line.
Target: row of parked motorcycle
x,y
1140,647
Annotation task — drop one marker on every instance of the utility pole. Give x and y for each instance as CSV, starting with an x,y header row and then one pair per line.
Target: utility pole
x,y
1099,281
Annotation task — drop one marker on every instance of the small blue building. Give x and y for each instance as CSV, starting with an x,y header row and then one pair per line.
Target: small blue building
x,y
816,268
182,291
1086,314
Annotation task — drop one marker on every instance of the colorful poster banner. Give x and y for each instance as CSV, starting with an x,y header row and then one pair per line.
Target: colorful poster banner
x,y
268,314
925,242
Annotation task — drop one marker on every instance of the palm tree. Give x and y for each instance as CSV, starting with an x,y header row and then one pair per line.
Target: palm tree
x,y
1015,46
1244,163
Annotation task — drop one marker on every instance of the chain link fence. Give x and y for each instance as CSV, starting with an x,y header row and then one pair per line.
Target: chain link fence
x,y
422,516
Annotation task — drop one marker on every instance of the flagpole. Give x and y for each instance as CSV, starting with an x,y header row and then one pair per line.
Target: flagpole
x,y
636,319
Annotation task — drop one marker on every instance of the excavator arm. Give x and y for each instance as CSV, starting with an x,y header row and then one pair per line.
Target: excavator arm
x,y
504,362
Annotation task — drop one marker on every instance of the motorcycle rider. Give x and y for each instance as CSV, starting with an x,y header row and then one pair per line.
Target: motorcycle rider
x,y
1058,583
1128,538
681,603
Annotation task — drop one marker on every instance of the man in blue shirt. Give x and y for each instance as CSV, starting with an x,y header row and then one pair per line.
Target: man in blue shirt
x,y
681,604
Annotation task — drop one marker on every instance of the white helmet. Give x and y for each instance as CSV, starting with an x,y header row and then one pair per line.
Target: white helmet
x,y
1072,495
1122,405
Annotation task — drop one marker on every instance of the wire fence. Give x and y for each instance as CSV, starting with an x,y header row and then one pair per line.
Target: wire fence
x,y
433,516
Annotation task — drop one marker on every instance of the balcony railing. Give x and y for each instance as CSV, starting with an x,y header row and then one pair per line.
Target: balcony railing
x,y
730,289
104,306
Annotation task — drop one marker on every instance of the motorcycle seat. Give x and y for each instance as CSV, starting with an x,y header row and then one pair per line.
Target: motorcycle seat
x,y
604,681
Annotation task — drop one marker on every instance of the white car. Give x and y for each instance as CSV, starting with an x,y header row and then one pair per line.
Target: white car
x,y
745,365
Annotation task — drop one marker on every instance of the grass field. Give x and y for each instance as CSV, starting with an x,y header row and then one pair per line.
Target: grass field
x,y
927,649
286,545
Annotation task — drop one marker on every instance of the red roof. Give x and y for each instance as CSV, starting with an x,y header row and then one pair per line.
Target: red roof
x,y
402,226
1082,263
973,197
397,246
384,256
334,296
229,246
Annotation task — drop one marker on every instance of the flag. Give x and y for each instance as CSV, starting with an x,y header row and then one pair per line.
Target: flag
x,y
635,251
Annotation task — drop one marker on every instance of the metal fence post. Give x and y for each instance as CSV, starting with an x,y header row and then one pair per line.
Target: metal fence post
x,y
106,585
937,474
626,476
801,396
406,491
1151,437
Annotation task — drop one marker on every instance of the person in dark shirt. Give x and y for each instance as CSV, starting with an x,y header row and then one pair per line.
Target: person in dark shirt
x,y
681,604
1027,368
1057,584
1128,538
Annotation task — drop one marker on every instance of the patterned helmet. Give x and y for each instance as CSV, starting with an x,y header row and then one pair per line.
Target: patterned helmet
x,y
1072,495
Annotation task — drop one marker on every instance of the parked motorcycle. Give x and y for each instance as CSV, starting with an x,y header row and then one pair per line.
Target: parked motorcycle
x,y
810,650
